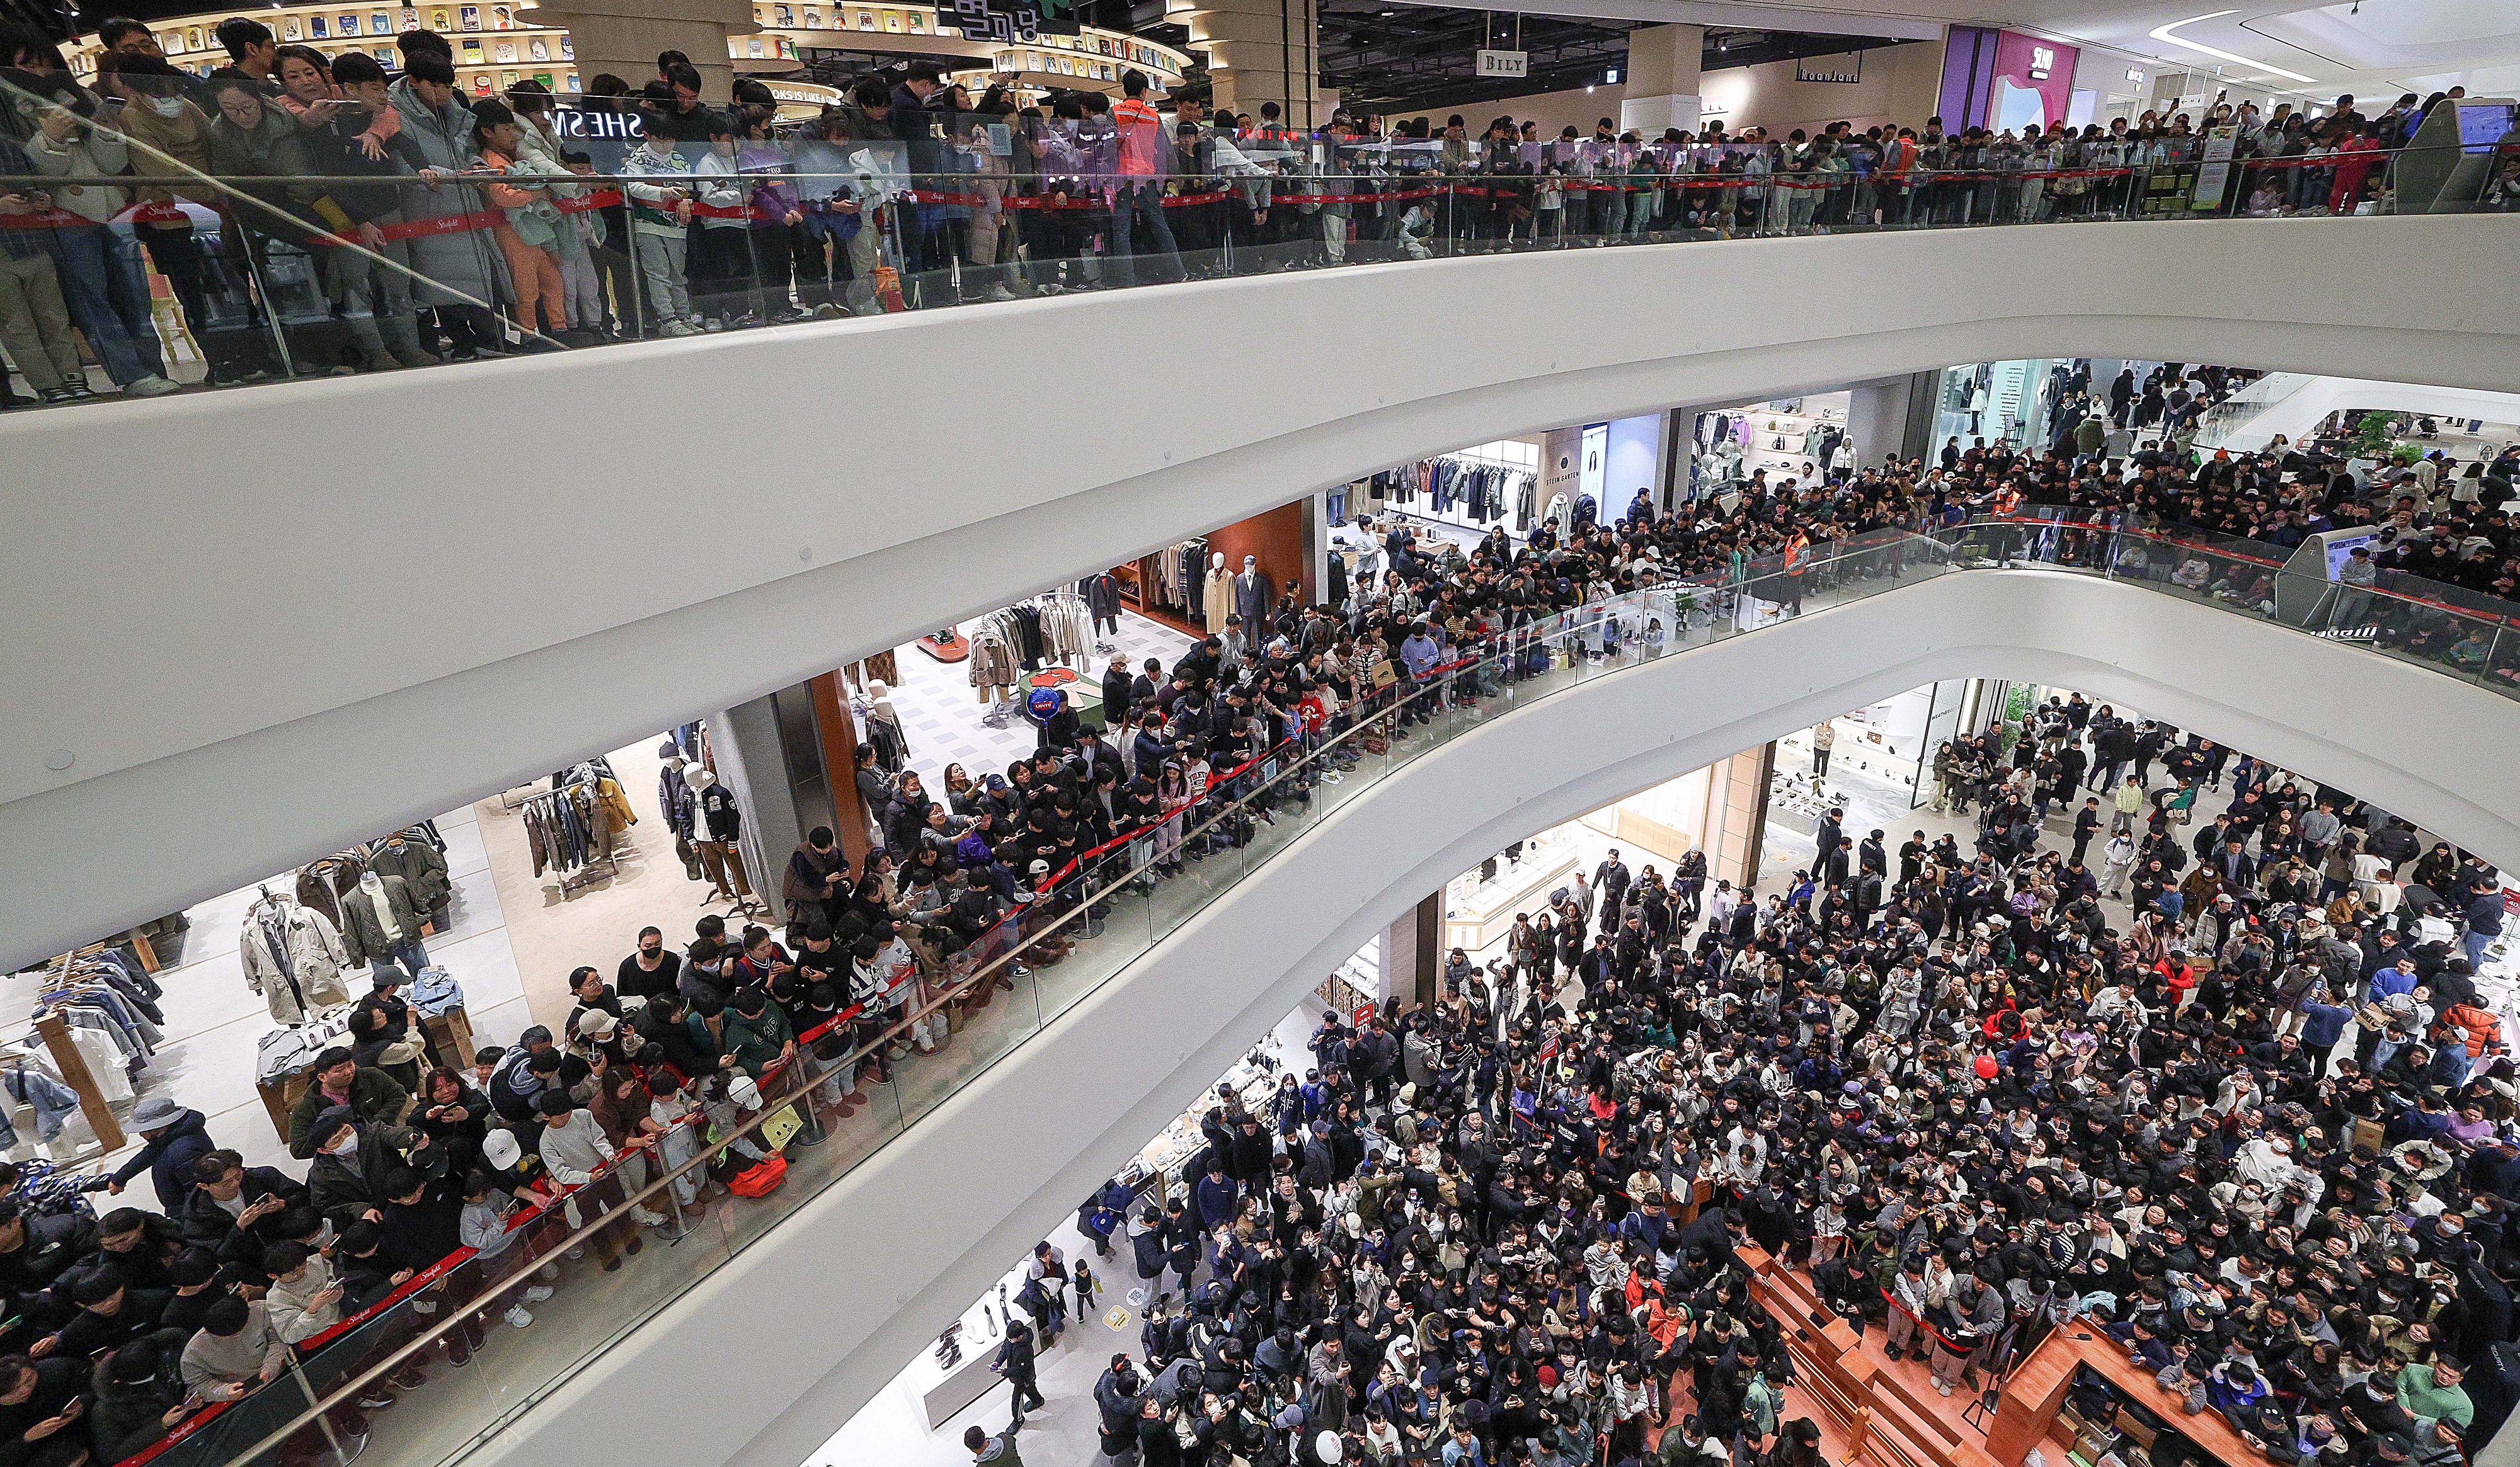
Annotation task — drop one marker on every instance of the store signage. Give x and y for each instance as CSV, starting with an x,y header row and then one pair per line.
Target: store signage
x,y
2136,74
1504,64
806,93
1006,21
1042,704
2043,59
578,123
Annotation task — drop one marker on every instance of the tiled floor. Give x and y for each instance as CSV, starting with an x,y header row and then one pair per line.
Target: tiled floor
x,y
943,718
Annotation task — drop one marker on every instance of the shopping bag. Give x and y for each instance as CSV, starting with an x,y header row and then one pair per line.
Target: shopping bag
x,y
761,1179
782,1127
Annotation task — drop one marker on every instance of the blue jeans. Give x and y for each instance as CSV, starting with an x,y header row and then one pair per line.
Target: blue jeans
x,y
2476,943
107,291
1139,206
409,953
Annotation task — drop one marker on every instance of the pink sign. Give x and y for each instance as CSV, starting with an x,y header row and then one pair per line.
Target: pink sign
x,y
2033,81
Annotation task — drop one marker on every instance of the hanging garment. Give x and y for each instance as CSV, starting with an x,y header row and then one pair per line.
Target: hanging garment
x,y
321,884
422,867
293,958
107,1064
53,1101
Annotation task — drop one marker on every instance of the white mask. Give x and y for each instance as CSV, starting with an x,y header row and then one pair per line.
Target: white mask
x,y
348,1143
167,107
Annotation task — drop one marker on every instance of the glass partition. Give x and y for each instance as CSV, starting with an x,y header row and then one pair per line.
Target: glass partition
x,y
359,224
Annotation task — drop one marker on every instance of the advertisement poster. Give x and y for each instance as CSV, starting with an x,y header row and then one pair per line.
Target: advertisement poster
x,y
2215,171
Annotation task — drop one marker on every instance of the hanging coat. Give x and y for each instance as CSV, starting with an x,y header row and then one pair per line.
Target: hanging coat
x,y
422,867
315,955
363,934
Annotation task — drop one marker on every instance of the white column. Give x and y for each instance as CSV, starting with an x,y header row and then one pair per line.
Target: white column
x,y
1662,79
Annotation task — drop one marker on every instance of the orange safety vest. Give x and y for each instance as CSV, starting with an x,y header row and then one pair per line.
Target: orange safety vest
x,y
1141,134
1794,548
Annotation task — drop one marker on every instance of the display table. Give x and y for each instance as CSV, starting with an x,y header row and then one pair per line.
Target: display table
x,y
1483,914
1084,694
947,1391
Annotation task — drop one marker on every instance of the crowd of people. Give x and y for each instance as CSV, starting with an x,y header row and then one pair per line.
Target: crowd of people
x,y
1959,1036
367,220
1973,1102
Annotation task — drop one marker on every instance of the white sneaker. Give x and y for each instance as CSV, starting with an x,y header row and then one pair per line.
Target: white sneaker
x,y
537,1293
548,1274
675,329
1001,292
652,1218
518,1316
151,386
577,1252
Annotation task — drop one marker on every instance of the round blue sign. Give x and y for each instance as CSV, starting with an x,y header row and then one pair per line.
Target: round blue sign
x,y
1042,704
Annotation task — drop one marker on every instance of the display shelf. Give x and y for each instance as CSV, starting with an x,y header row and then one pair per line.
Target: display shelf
x,y
192,41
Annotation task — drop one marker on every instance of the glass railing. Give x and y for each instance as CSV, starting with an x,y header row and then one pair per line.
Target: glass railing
x,y
276,247
728,1161
2449,630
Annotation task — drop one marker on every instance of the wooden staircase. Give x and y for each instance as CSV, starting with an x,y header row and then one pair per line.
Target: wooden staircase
x,y
1884,1420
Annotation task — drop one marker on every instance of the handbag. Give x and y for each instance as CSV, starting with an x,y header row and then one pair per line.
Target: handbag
x,y
761,1178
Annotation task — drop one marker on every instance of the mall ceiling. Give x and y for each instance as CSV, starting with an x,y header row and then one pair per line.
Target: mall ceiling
x,y
1389,56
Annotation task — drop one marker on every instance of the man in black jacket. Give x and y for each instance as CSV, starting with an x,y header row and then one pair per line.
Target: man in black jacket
x,y
234,1211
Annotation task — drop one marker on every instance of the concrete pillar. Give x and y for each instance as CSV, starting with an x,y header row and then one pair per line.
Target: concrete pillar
x,y
1679,457
1260,51
836,725
1876,420
770,752
1412,955
744,743
624,36
1737,814
1662,79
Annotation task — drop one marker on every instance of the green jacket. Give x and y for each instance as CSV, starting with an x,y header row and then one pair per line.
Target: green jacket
x,y
376,1098
756,1042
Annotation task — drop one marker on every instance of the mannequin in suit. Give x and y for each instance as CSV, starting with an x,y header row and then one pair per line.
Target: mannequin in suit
x,y
1251,599
1219,596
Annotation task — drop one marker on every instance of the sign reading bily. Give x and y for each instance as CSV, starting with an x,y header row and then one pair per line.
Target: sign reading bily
x,y
1504,64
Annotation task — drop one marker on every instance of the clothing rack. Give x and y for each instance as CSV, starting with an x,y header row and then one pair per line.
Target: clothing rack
x,y
119,1002
1490,484
548,815
1009,644
1169,585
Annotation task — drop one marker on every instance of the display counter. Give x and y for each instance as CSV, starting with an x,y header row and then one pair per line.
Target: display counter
x,y
1252,1079
1479,912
